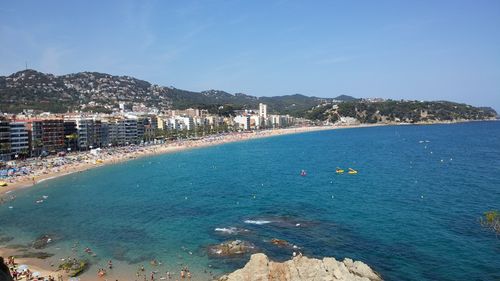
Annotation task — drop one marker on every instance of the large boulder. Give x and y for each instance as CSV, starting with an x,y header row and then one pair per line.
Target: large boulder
x,y
231,248
300,268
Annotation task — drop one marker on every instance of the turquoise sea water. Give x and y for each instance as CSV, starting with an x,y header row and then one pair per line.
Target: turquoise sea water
x,y
411,213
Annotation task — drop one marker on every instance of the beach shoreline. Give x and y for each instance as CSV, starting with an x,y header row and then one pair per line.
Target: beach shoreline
x,y
158,149
68,169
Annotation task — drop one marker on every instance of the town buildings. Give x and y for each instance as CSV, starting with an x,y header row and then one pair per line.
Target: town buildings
x,y
48,134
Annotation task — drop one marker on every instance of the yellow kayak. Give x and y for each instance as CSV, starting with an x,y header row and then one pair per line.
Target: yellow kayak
x,y
352,171
339,171
2,183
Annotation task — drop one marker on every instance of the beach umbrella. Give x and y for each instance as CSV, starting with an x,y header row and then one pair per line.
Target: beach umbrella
x,y
74,279
36,274
22,268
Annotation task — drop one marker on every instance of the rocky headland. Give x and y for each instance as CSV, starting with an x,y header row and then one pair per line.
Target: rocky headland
x,y
302,268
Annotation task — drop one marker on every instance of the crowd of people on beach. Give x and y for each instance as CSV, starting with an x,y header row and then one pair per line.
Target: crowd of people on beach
x,y
33,170
12,271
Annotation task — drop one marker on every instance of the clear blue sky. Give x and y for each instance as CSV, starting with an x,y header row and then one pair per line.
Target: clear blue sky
x,y
428,50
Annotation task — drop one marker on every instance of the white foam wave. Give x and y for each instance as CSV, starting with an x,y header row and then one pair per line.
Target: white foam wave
x,y
259,222
230,230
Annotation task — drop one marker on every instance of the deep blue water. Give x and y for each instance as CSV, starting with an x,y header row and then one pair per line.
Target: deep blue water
x,y
411,213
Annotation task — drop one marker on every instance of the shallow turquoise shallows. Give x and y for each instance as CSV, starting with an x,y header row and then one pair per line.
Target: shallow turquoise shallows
x,y
412,211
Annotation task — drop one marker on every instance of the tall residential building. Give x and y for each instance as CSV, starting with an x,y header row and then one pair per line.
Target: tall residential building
x,y
53,135
262,110
243,121
89,132
130,126
70,135
19,139
142,122
45,135
187,123
85,127
263,120
105,134
123,132
4,140
97,141
35,137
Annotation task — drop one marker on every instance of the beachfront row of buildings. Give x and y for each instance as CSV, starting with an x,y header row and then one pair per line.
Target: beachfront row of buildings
x,y
38,135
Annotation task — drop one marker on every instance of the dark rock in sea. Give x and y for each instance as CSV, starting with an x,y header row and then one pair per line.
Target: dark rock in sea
x,y
21,247
119,252
231,248
280,242
5,239
36,255
74,267
42,241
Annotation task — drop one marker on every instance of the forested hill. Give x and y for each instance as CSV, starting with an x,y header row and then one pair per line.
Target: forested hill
x,y
30,89
400,111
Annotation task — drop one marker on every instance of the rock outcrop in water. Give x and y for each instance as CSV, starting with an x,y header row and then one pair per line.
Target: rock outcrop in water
x,y
300,268
231,248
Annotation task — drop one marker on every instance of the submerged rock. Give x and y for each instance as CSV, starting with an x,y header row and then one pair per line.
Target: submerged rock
x,y
280,242
36,255
74,267
231,248
5,239
42,241
300,268
21,247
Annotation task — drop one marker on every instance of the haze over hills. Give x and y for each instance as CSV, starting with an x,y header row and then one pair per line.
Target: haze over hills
x,y
101,92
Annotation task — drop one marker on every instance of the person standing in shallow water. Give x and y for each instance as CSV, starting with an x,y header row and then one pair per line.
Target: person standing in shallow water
x,y
4,271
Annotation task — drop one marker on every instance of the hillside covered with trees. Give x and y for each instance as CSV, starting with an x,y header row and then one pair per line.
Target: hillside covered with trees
x,y
400,111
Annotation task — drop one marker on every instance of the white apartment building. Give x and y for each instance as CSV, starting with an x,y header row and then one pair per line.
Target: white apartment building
x,y
243,121
19,139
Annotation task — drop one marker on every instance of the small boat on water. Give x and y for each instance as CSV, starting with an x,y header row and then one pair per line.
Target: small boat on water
x,y
339,171
352,171
303,173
